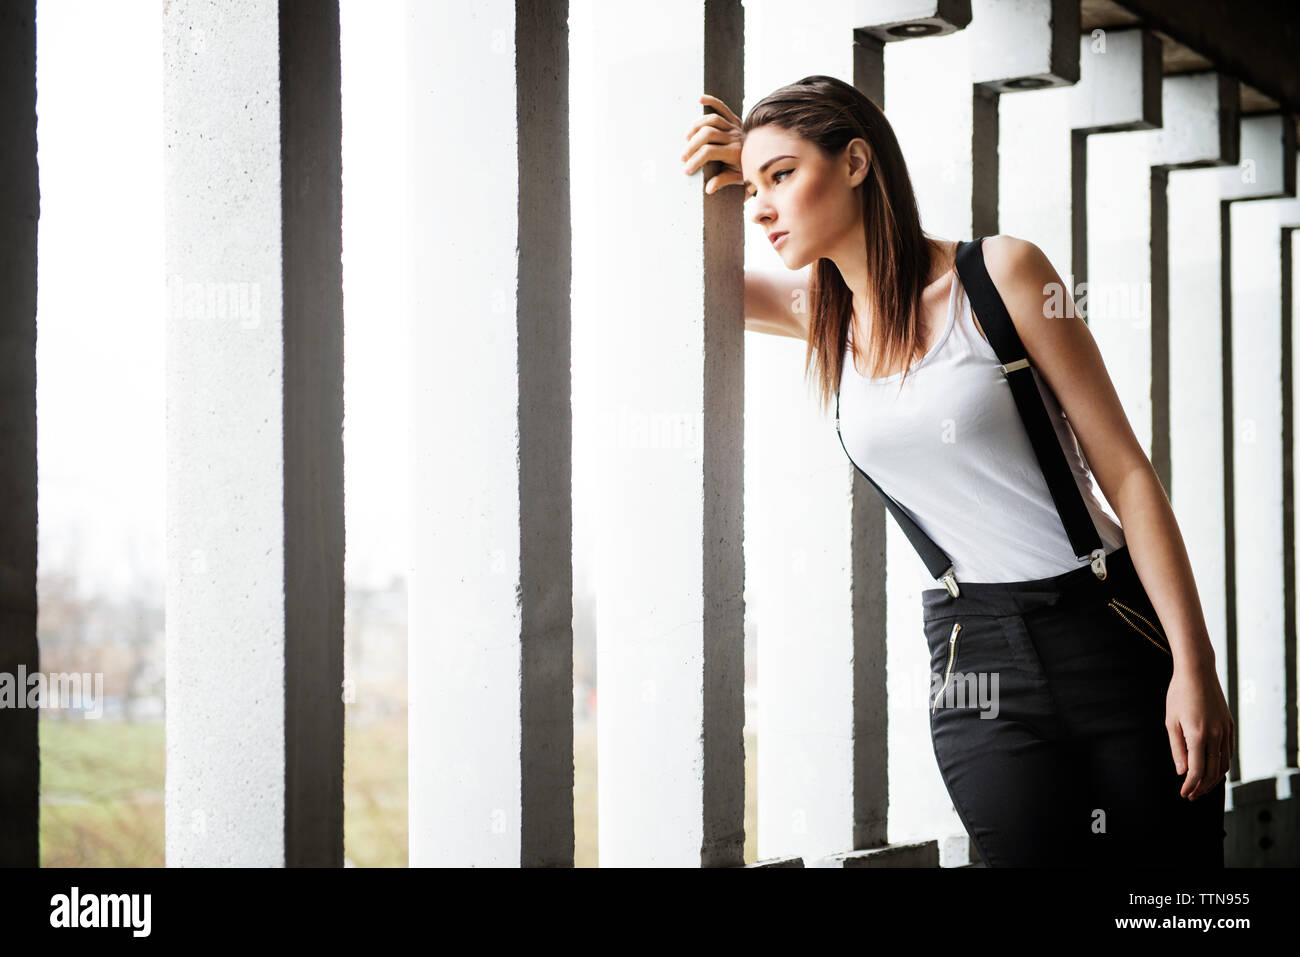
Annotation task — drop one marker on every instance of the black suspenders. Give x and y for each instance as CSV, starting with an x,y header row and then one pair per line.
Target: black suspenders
x,y
1002,336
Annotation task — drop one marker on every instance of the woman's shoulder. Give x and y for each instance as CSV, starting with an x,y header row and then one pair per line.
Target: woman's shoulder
x,y
1021,274
1010,259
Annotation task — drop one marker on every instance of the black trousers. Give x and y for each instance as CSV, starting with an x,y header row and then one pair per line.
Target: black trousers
x,y
1047,718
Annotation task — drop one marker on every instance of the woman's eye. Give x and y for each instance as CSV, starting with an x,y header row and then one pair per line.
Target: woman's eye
x,y
782,172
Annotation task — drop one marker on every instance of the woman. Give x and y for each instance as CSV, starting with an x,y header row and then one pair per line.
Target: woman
x,y
1110,738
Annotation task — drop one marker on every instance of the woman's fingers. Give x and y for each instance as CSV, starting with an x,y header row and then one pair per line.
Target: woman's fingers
x,y
715,137
709,134
721,107
725,178
1210,777
722,138
717,121
1177,748
708,153
1217,746
1195,767
1209,758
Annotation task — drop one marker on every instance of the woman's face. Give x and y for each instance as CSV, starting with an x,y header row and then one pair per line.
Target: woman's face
x,y
796,189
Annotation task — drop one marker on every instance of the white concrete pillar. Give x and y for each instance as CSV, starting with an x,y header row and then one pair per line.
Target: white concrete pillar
x,y
1196,391
1025,46
822,782
1127,302
254,434
798,529
670,615
1263,694
20,766
490,639
1264,571
1266,169
928,102
1043,137
1257,477
1289,224
941,99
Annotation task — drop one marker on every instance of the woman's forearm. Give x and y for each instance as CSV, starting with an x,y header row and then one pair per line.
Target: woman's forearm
x,y
1160,558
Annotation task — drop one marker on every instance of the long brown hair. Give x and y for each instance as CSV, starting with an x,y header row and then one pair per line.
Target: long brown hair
x,y
829,113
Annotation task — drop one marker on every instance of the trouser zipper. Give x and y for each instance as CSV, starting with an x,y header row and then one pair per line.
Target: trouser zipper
x,y
952,654
1124,611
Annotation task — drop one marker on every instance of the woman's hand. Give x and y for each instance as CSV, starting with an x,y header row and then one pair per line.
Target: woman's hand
x,y
715,136
1200,728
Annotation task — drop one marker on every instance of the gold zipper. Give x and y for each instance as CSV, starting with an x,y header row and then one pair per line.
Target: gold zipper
x,y
952,654
1120,608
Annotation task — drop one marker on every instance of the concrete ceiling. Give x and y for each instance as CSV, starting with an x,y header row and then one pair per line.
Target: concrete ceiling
x,y
1177,57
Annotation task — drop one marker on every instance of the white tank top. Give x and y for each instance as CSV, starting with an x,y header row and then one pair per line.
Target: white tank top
x,y
952,450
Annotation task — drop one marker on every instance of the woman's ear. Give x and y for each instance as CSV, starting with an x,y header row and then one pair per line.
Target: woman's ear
x,y
857,155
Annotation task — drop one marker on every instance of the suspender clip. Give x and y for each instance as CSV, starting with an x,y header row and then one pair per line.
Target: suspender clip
x,y
950,582
1098,558
1014,366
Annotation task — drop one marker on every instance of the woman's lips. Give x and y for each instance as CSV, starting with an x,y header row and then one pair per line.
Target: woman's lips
x,y
780,238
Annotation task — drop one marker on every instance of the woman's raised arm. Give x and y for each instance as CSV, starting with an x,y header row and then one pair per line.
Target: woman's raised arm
x,y
777,302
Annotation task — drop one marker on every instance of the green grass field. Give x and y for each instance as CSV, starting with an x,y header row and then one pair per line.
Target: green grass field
x,y
102,794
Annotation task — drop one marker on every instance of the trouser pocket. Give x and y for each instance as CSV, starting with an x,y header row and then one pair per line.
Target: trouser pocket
x,y
953,635
970,667
1141,624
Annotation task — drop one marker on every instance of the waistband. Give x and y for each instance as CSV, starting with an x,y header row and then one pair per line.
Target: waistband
x,y
1017,598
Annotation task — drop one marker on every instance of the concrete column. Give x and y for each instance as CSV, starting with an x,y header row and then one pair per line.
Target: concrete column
x,y
254,434
670,617
941,99
1289,223
1043,135
20,769
1267,170
797,537
1262,493
1196,395
491,639
1128,238
813,578
1262,830
1029,45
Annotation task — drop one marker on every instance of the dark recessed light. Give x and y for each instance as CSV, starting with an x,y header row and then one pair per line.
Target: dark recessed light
x,y
1027,83
909,30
